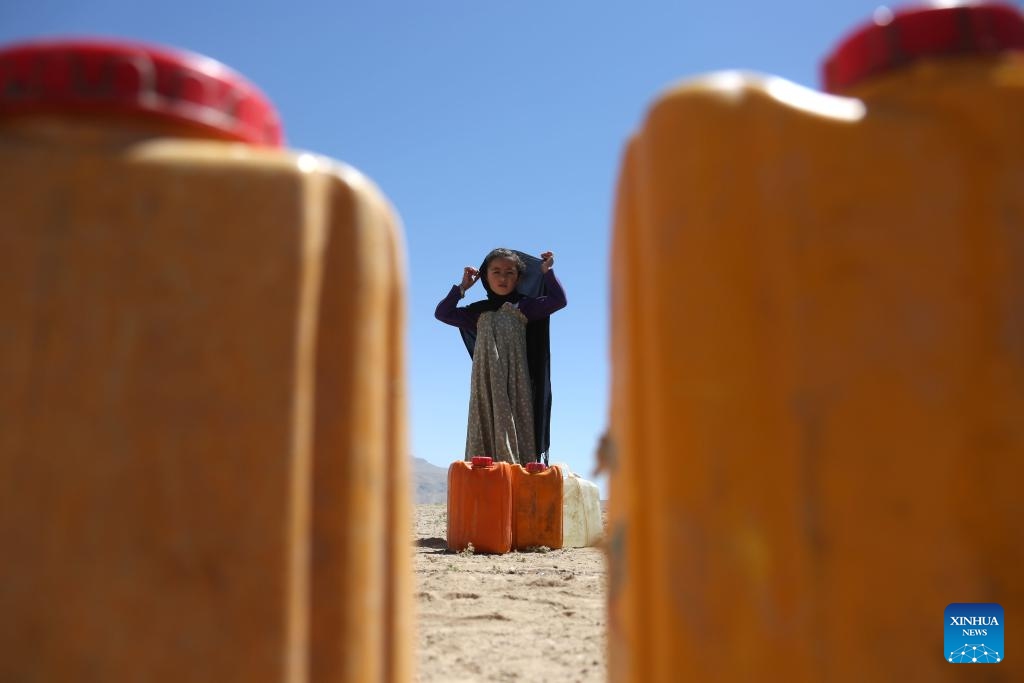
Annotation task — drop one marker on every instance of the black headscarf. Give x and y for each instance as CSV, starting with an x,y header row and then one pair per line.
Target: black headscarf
x,y
538,344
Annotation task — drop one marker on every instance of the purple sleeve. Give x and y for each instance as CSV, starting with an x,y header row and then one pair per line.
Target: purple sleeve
x,y
448,312
543,306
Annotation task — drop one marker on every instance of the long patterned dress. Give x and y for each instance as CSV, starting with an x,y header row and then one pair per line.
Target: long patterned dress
x,y
500,396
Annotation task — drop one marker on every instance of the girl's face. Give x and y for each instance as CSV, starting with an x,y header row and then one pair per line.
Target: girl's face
x,y
502,276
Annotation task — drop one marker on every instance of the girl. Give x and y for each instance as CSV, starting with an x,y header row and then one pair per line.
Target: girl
x,y
508,413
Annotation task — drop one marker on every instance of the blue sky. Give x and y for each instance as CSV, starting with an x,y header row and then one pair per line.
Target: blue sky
x,y
486,124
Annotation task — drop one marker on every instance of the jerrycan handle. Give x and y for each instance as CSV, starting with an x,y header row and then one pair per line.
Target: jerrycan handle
x,y
480,462
534,467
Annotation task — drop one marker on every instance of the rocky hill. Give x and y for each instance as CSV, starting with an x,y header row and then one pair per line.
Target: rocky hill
x,y
429,482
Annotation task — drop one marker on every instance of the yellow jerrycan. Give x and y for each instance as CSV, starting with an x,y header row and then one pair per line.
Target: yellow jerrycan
x,y
817,422
202,425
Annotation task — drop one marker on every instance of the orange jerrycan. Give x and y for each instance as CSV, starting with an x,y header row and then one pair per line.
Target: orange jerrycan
x,y
537,506
817,431
202,423
480,505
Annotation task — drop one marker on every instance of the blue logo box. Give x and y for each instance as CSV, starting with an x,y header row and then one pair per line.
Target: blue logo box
x,y
974,633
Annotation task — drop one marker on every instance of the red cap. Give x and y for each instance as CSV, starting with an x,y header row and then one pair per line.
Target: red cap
x,y
115,78
895,39
481,461
532,467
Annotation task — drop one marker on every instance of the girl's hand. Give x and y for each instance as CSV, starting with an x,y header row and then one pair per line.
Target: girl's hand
x,y
469,277
547,261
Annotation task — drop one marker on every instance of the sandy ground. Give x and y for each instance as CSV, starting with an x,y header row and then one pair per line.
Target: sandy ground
x,y
537,616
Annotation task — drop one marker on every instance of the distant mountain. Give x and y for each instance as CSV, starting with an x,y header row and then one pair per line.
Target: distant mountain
x,y
429,482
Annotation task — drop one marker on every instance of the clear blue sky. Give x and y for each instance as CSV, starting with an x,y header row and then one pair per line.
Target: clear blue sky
x,y
486,124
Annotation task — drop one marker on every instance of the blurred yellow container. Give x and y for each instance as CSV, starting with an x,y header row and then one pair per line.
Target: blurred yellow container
x,y
202,424
817,432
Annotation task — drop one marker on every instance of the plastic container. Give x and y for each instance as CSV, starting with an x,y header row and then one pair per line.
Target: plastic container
x,y
582,519
203,460
537,494
817,430
480,506
582,524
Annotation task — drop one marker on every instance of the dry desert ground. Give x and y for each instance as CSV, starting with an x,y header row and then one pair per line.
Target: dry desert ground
x,y
532,616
